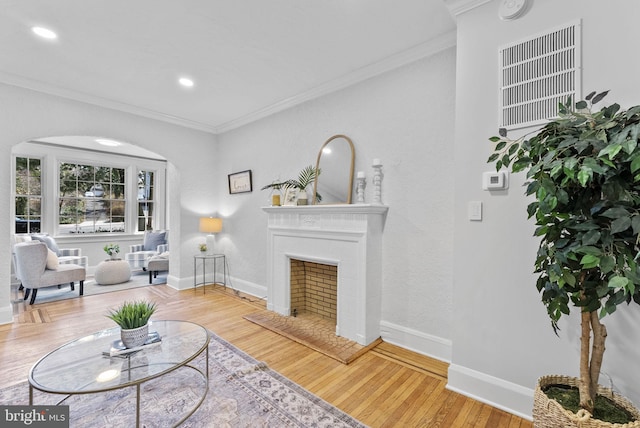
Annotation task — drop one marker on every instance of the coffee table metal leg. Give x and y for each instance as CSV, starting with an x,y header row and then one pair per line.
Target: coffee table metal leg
x,y
31,394
138,405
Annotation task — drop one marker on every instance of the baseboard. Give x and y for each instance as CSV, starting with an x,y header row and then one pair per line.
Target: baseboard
x,y
496,392
251,288
416,341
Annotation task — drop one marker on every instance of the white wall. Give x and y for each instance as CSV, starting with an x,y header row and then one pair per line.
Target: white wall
x,y
405,118
27,115
502,338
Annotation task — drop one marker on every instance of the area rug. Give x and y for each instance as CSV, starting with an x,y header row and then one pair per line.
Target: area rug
x,y
51,294
243,392
312,332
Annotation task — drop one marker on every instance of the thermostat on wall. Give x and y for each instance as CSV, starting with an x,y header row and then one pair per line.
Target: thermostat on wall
x,y
495,180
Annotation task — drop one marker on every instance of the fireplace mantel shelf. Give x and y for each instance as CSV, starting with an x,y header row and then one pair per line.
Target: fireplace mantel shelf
x,y
324,209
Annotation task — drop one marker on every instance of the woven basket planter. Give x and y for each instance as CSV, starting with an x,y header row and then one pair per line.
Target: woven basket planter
x,y
135,336
549,413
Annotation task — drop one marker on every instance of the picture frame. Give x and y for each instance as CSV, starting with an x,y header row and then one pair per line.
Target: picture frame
x,y
290,196
240,182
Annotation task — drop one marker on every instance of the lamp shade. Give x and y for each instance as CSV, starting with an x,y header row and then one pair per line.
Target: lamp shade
x,y
210,224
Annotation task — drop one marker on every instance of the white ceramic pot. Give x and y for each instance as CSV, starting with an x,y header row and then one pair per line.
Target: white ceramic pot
x,y
134,337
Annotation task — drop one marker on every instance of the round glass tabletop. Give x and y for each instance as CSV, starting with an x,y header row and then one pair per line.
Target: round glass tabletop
x,y
86,365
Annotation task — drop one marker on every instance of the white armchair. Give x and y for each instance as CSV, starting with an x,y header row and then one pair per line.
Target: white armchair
x,y
65,255
37,267
154,243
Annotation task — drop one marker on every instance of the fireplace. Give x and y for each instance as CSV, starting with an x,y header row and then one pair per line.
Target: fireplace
x,y
348,237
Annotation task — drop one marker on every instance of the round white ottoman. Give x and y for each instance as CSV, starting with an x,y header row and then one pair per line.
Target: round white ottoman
x,y
113,271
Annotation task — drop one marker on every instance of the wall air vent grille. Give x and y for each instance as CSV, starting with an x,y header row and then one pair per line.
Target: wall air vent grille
x,y
537,74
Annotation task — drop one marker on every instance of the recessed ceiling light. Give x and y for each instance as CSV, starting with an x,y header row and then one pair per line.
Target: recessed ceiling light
x,y
185,81
45,33
106,142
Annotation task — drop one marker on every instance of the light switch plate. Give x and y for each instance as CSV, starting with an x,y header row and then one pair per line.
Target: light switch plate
x,y
475,210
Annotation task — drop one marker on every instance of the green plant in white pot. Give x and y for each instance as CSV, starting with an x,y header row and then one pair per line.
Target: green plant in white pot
x,y
305,178
133,318
583,171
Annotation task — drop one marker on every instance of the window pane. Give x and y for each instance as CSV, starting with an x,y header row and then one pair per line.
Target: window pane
x,y
117,191
96,199
28,191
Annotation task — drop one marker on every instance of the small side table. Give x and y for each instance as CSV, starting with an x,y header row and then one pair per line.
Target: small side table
x,y
204,258
112,271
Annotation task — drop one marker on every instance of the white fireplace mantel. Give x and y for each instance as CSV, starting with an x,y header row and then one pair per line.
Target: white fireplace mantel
x,y
347,236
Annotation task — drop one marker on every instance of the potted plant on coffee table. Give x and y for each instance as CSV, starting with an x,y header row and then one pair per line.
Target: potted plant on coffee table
x,y
583,171
133,318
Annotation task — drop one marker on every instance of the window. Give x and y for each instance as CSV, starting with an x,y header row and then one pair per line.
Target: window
x,y
146,197
83,192
91,199
28,195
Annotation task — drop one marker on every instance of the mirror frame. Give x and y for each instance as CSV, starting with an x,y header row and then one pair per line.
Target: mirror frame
x,y
353,158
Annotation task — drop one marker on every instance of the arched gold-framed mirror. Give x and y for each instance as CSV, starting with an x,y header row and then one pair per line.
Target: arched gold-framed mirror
x,y
336,160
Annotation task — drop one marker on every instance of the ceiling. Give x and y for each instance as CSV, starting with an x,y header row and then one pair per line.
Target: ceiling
x,y
248,58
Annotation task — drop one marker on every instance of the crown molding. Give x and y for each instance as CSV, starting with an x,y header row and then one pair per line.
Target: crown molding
x,y
458,7
400,59
39,86
408,56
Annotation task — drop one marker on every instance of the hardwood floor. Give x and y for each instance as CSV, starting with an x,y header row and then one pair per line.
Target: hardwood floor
x,y
386,387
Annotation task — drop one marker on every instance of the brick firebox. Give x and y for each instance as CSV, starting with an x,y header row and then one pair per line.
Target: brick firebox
x,y
314,289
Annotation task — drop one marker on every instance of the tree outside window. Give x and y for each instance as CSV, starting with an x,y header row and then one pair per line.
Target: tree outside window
x,y
91,199
28,195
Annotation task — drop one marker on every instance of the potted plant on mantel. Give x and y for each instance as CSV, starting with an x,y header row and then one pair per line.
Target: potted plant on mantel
x,y
305,178
584,175
133,318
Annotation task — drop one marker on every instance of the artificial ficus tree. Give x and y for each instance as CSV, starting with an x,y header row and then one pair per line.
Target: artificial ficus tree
x,y
583,171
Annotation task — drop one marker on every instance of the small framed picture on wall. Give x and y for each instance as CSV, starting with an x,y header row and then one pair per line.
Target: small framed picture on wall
x,y
240,182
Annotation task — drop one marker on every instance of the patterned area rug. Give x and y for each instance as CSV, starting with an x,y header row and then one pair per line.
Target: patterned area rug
x,y
312,331
242,393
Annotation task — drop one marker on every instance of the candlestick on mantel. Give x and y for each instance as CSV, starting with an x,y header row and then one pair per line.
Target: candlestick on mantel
x,y
361,183
377,182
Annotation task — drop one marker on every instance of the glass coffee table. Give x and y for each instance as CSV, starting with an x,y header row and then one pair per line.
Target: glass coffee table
x,y
86,366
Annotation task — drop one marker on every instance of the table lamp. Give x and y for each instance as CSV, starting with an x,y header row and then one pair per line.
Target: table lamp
x,y
210,225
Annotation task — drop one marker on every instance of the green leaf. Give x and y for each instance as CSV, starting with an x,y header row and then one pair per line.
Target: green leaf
x,y
615,212
599,97
607,263
569,278
589,250
591,237
589,261
584,175
635,163
501,145
581,105
618,282
635,224
611,150
521,164
620,224
494,139
493,157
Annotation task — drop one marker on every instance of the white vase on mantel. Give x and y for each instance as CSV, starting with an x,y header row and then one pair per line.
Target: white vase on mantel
x,y
302,197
